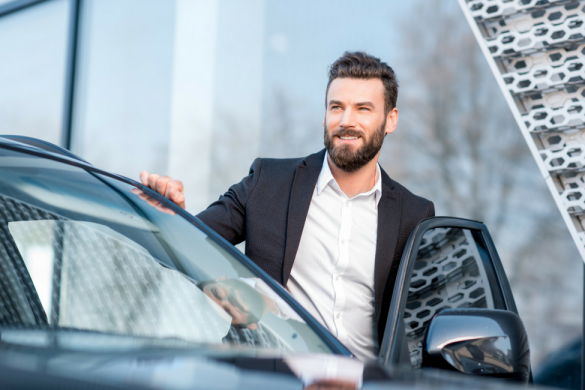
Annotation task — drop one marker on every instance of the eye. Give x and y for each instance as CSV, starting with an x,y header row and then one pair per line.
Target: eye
x,y
364,109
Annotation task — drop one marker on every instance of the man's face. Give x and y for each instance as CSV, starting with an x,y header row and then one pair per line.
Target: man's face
x,y
229,298
355,122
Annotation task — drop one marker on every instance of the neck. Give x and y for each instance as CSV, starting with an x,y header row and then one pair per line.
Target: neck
x,y
355,183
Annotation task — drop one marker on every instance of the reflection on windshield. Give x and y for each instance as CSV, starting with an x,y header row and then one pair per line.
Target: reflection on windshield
x,y
110,285
247,300
240,301
81,251
152,202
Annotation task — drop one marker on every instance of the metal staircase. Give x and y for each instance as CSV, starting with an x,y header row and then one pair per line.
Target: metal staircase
x,y
536,49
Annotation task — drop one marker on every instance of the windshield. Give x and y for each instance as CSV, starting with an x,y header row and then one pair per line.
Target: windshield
x,y
81,251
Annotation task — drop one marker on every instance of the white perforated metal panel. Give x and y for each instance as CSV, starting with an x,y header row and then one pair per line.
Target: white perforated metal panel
x,y
536,49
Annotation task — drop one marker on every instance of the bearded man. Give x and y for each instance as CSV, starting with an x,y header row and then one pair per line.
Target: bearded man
x,y
330,227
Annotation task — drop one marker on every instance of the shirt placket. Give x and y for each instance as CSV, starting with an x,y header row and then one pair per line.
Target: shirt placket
x,y
340,268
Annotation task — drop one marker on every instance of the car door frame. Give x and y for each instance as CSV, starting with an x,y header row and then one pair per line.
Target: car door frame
x,y
392,351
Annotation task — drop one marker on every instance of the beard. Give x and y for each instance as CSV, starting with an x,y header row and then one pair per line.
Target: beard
x,y
344,157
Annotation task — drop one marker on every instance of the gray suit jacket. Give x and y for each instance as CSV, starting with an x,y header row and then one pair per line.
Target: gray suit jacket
x,y
268,209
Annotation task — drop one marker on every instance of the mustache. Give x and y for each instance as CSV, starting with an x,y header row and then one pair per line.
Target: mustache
x,y
347,133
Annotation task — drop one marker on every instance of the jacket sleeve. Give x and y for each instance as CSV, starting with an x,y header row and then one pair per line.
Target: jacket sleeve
x,y
227,215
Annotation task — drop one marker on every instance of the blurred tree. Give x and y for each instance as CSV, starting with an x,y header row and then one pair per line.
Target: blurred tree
x,y
456,123
288,130
458,144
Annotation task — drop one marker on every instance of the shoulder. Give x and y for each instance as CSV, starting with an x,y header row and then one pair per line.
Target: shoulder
x,y
280,166
412,203
407,194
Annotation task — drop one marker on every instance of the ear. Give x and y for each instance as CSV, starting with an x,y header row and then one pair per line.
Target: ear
x,y
252,327
391,120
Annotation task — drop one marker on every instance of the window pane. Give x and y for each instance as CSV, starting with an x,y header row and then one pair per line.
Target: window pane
x,y
33,48
452,270
122,108
199,89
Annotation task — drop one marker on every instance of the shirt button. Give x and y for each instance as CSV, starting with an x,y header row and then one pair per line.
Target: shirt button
x,y
337,278
343,241
338,315
346,204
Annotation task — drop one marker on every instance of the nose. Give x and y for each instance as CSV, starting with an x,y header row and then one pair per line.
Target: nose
x,y
349,118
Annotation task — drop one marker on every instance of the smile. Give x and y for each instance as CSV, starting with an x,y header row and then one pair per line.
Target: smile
x,y
346,138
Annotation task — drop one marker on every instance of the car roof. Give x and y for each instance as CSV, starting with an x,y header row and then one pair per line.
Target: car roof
x,y
39,145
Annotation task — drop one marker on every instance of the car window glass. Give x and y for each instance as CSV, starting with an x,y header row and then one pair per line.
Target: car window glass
x,y
144,297
452,270
82,252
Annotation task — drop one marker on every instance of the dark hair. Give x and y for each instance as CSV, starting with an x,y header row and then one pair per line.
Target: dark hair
x,y
360,65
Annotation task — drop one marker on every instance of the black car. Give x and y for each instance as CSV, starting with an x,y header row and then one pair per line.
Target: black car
x,y
100,289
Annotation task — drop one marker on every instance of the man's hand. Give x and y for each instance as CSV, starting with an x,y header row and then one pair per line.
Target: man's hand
x,y
164,185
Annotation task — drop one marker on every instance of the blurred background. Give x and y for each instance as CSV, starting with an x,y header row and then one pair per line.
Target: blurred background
x,y
197,89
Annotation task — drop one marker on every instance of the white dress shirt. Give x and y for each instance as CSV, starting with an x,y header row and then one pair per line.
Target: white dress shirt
x,y
333,272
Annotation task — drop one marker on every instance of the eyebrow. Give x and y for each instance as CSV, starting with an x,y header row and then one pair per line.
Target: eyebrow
x,y
360,104
369,104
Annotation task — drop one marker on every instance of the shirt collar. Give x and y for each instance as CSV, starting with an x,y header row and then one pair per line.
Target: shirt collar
x,y
326,177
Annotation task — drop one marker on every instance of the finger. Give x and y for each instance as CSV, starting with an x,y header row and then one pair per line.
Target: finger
x,y
144,178
178,185
152,178
152,202
162,185
177,197
144,196
140,193
165,209
173,187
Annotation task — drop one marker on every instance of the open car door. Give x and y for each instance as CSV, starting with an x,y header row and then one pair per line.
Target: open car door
x,y
448,263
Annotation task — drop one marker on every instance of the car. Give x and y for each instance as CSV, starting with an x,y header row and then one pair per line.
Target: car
x,y
562,368
106,284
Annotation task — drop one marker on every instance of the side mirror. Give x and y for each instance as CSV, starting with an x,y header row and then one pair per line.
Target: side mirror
x,y
483,342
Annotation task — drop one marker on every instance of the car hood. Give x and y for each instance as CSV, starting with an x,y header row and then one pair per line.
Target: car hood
x,y
53,359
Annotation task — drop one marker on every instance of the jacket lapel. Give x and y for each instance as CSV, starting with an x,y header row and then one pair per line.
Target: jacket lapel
x,y
303,186
388,229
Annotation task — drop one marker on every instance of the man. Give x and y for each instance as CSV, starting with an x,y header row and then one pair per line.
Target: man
x,y
330,227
